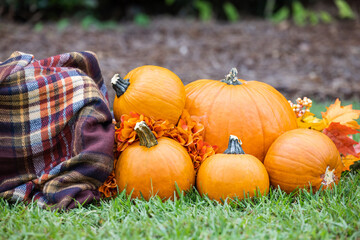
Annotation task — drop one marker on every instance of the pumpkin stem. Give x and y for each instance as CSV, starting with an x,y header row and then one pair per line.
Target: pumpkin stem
x,y
146,137
328,176
119,84
234,146
231,78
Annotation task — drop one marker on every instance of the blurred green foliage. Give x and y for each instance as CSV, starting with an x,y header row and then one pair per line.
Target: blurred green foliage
x,y
140,11
299,13
281,15
204,8
62,24
325,17
141,19
344,9
303,16
231,12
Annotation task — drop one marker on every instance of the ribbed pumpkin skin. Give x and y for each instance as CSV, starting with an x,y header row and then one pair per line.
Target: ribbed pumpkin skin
x,y
230,175
154,170
300,158
254,111
153,91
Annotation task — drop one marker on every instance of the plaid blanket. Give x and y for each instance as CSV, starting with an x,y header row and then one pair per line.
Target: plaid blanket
x,y
56,131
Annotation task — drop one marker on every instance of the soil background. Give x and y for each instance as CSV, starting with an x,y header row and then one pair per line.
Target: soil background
x,y
321,62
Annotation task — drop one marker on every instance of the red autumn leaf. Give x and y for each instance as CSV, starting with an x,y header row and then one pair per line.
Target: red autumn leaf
x,y
338,133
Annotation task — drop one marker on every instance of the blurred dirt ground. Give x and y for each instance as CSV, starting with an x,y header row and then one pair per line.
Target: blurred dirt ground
x,y
320,62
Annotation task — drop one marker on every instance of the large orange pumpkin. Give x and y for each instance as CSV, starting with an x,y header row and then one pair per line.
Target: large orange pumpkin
x,y
152,166
153,91
254,111
232,174
301,158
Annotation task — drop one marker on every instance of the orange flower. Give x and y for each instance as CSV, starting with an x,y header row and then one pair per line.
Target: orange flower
x,y
109,188
188,132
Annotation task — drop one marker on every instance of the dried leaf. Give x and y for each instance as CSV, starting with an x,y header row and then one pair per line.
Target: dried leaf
x,y
308,120
341,114
349,160
338,133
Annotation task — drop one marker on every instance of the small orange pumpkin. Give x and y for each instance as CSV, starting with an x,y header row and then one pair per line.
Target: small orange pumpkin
x,y
152,166
254,111
232,174
301,158
153,91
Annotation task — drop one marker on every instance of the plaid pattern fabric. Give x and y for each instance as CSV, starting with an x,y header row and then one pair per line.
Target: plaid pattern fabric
x,y
56,131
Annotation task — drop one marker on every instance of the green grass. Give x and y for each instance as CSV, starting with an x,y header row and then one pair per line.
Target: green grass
x,y
330,214
327,214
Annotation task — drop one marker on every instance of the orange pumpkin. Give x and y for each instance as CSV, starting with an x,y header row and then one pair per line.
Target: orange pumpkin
x,y
153,91
301,158
152,166
254,111
232,174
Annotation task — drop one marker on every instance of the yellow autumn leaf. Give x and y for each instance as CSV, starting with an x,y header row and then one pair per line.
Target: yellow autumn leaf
x,y
308,120
349,160
341,114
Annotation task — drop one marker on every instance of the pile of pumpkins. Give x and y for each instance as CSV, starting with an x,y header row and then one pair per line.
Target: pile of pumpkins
x,y
252,124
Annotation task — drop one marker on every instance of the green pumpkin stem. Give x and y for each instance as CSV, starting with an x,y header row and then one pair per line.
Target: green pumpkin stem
x,y
231,78
234,146
119,84
146,137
